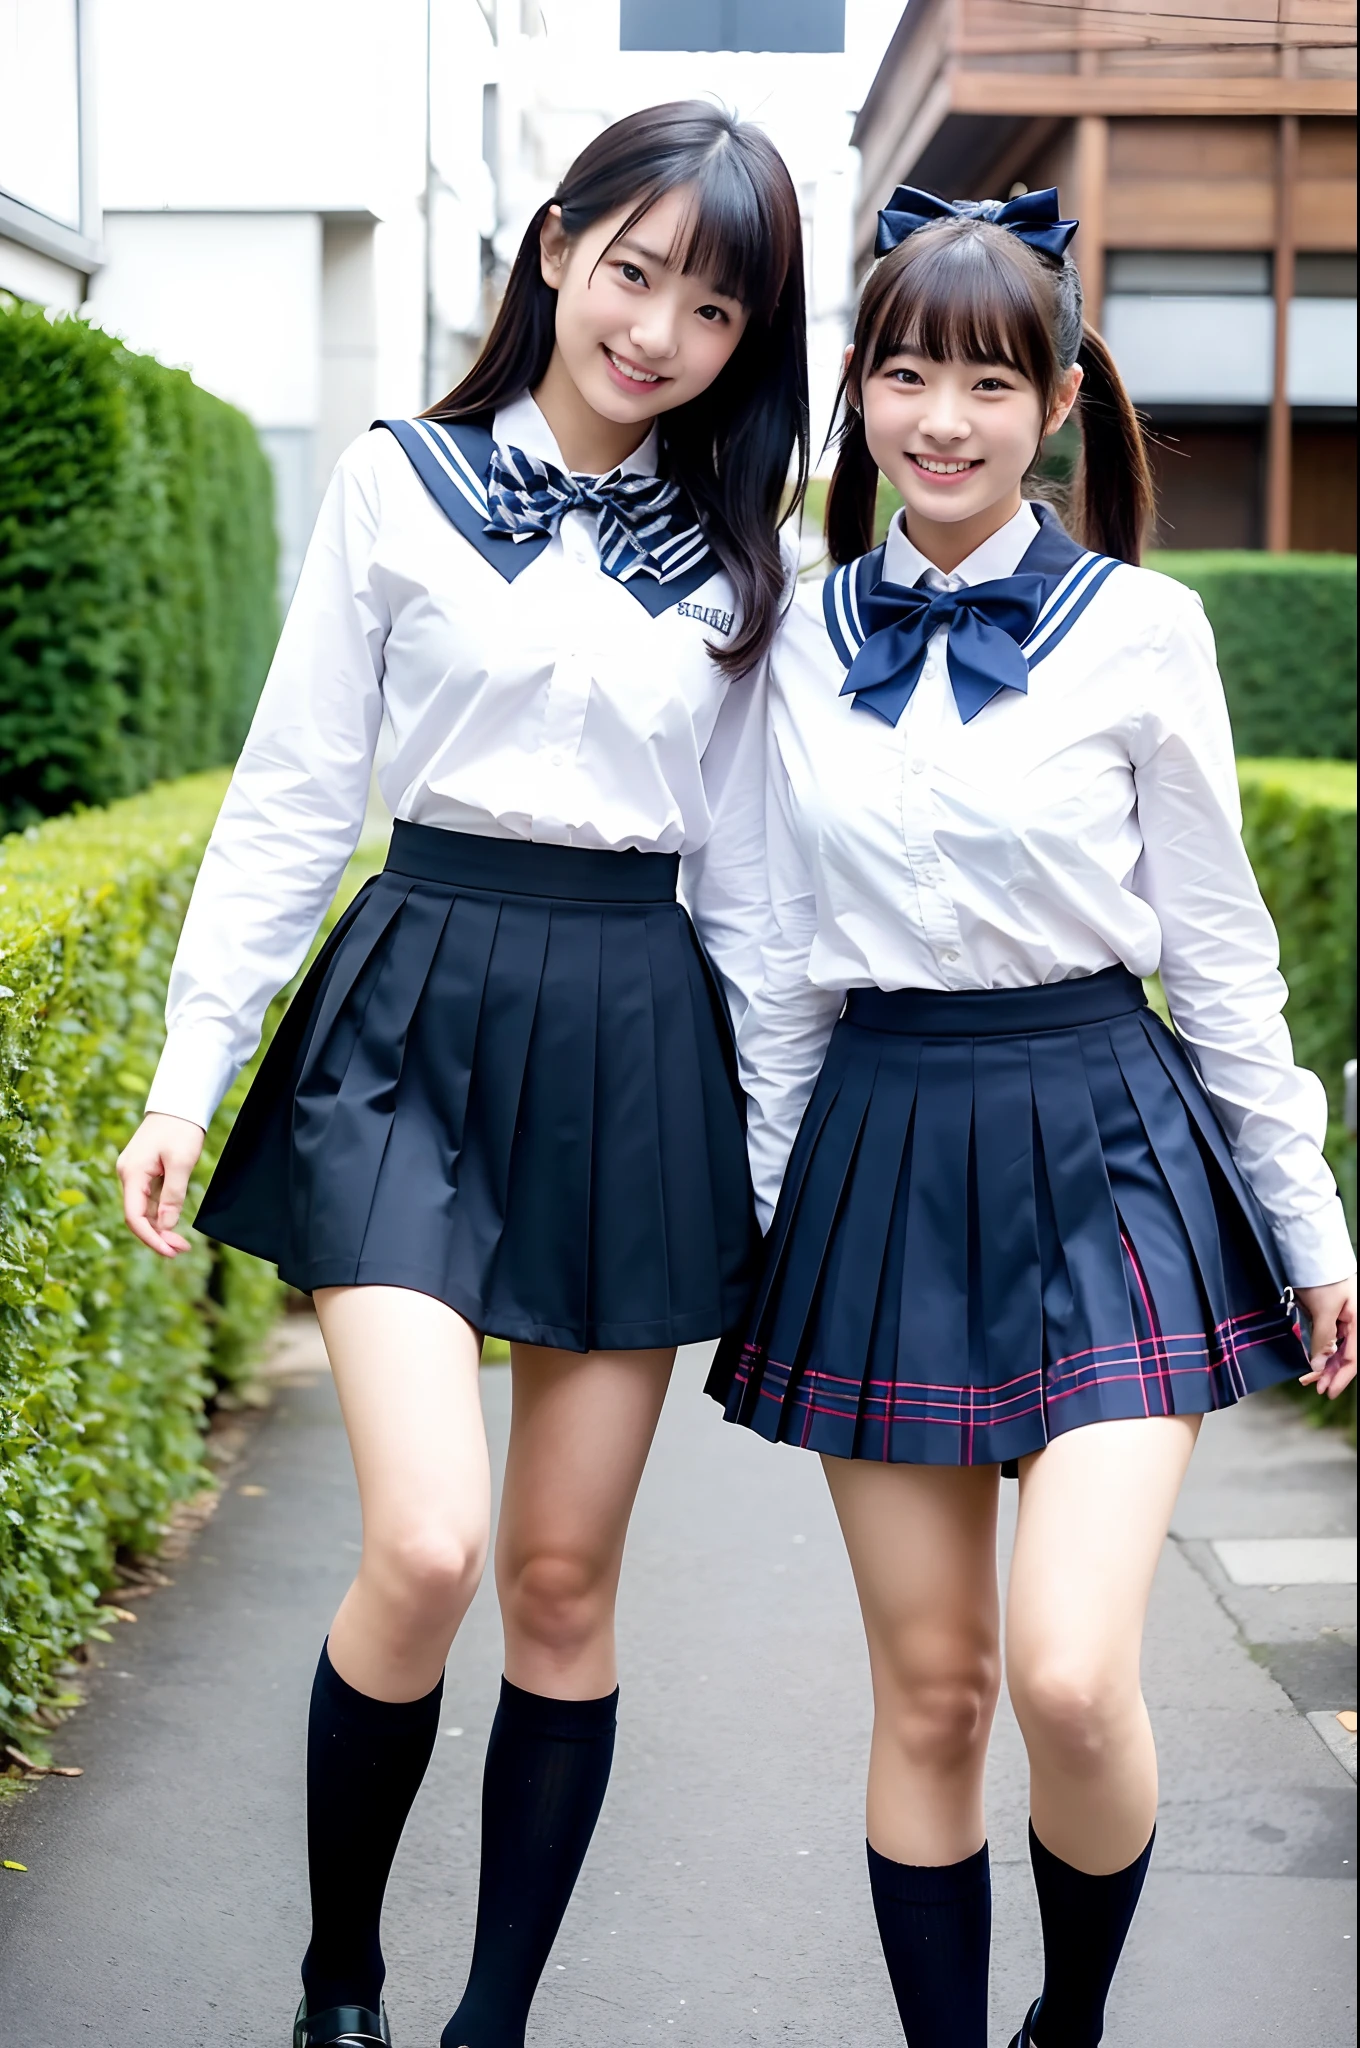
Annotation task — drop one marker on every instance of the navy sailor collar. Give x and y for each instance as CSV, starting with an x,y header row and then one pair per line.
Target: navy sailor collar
x,y
1072,576
452,458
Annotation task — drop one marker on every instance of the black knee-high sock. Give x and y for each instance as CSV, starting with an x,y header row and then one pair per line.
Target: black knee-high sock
x,y
547,1767
935,1923
1086,1921
365,1761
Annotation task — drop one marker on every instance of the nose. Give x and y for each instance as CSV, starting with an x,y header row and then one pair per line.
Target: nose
x,y
944,420
652,332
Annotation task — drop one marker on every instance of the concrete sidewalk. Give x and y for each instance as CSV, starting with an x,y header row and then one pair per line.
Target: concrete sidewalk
x,y
725,1901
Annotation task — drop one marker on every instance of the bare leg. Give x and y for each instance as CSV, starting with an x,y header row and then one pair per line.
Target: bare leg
x,y
1095,1507
406,1373
922,1544
580,1432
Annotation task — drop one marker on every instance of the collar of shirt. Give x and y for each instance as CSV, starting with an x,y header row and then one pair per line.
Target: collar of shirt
x,y
521,425
1000,554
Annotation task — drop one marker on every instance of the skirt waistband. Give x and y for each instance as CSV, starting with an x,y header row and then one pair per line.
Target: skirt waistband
x,y
524,867
996,1012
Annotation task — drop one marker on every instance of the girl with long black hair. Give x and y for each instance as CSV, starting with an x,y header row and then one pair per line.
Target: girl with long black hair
x,y
1018,1221
505,1098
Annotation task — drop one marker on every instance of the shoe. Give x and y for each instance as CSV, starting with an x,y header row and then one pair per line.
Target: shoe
x,y
1024,2039
342,2026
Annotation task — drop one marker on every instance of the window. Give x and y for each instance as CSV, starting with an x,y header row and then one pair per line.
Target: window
x,y
732,25
1188,273
40,106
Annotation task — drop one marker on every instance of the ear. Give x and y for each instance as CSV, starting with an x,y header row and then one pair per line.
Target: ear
x,y
848,378
1068,387
553,244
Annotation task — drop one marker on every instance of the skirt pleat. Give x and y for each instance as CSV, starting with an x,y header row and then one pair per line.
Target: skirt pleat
x,y
1004,1218
524,1103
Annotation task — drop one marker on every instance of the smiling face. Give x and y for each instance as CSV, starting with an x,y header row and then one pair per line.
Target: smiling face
x,y
635,336
957,437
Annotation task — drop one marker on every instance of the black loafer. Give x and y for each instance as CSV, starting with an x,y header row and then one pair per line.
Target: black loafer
x,y
1024,2039
342,2026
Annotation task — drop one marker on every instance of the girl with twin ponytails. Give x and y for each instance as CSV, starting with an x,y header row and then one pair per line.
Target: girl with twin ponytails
x,y
1017,1223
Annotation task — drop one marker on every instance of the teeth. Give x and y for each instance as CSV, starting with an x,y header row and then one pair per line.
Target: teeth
x,y
627,370
940,468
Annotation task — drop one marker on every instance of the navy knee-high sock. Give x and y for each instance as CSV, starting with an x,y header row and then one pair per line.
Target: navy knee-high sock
x,y
935,1923
365,1761
1086,1921
547,1768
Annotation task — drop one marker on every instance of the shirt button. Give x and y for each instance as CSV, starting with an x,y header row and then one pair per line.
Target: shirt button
x,y
949,958
918,766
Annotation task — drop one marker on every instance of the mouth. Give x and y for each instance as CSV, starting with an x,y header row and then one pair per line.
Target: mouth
x,y
940,470
631,375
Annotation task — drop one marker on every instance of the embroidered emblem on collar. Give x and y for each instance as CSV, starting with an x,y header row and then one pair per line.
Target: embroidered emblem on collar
x,y
1074,574
452,458
708,615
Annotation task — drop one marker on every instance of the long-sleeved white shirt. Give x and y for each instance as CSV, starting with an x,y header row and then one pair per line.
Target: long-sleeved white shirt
x,y
554,706
1093,820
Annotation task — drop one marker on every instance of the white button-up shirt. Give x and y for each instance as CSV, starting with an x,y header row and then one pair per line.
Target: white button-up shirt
x,y
553,708
1092,821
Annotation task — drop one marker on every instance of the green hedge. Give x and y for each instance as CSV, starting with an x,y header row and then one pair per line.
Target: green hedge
x,y
107,1353
1285,628
138,606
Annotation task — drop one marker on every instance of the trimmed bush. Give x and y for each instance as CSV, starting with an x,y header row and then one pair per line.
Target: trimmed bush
x,y
138,606
1285,628
108,1354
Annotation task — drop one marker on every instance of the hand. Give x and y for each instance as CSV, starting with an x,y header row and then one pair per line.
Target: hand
x,y
1331,1310
154,1167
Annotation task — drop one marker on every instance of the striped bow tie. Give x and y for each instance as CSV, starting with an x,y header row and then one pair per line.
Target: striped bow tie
x,y
645,526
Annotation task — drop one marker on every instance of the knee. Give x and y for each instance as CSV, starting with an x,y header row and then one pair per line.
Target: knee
x,y
554,1600
429,1574
1071,1709
939,1721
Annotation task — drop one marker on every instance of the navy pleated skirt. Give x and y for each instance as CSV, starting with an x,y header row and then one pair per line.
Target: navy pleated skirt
x,y
1006,1214
507,1081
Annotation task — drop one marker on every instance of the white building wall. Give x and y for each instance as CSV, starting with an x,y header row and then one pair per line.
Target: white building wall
x,y
31,275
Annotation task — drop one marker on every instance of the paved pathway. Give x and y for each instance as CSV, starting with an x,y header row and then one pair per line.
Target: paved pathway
x,y
724,1903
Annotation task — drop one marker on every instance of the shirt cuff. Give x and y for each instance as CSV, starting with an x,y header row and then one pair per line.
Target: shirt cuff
x,y
1316,1250
194,1073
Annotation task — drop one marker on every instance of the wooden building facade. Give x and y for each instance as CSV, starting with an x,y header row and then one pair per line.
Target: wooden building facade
x,y
1211,158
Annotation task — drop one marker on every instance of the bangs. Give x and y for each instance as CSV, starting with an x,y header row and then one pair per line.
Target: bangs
x,y
964,292
734,233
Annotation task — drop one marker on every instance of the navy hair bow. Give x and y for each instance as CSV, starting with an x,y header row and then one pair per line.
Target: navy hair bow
x,y
1033,216
645,524
987,624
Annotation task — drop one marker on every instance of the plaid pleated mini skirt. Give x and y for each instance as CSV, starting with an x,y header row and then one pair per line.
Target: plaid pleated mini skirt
x,y
507,1081
1007,1213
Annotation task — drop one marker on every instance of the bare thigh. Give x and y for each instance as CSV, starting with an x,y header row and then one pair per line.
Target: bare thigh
x,y
581,1428
406,1372
922,1545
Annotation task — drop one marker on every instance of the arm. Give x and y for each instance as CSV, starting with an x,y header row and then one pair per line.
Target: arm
x,y
1220,960
291,817
784,1035
724,879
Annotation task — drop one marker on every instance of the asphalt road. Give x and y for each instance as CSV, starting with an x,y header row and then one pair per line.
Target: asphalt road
x,y
724,1902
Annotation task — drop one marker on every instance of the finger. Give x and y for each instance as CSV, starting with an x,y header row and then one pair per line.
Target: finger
x,y
1340,1380
174,1187
139,1187
1323,1341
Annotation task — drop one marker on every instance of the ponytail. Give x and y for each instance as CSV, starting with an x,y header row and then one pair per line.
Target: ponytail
x,y
852,494
1111,499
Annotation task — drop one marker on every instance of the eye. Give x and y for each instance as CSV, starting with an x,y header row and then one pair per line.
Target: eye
x,y
713,314
905,379
993,384
631,274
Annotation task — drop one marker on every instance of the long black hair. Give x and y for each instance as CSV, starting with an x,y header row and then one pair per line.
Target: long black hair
x,y
731,448
969,290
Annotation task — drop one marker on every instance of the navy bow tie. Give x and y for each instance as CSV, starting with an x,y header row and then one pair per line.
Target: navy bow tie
x,y
644,523
987,623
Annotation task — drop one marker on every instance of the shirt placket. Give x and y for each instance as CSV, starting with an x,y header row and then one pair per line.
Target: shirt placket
x,y
569,686
922,731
